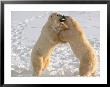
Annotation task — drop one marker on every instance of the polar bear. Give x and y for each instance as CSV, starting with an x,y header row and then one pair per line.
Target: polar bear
x,y
49,38
80,46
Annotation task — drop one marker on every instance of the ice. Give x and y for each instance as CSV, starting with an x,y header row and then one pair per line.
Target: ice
x,y
25,30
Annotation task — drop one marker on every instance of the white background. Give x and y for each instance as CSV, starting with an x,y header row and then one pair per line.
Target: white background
x,y
64,7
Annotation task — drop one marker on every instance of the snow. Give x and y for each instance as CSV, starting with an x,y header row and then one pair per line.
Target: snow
x,y
25,30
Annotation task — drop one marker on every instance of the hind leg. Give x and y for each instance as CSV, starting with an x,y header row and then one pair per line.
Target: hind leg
x,y
84,70
37,66
94,73
46,62
87,68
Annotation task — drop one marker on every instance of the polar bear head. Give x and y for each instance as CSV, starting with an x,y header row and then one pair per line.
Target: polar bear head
x,y
54,25
56,22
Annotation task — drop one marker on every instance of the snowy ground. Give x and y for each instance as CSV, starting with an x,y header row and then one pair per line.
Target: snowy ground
x,y
26,27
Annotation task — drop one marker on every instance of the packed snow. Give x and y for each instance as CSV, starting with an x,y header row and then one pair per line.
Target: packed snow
x,y
25,30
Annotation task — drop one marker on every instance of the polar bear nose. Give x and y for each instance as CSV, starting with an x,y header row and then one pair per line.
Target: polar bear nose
x,y
62,18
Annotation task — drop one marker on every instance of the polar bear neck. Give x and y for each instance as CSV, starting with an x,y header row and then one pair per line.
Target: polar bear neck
x,y
52,34
49,26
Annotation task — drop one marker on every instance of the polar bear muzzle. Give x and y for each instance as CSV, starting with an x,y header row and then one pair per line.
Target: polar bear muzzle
x,y
62,18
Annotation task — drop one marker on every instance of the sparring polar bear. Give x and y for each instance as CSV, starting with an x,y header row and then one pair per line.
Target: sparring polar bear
x,y
80,46
47,41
